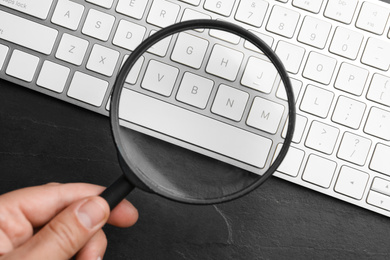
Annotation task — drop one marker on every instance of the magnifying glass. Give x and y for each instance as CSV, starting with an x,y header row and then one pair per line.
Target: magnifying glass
x,y
202,112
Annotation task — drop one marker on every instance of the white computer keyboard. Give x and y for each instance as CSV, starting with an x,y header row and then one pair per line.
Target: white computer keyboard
x,y
337,53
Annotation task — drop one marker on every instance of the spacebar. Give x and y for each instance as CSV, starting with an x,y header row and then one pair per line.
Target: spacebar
x,y
194,128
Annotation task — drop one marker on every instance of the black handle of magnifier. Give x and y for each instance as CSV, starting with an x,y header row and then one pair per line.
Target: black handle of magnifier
x,y
117,191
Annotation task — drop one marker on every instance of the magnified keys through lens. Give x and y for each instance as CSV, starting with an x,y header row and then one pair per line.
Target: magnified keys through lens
x,y
198,111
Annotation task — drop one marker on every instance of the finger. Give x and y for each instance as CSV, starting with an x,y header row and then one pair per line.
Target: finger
x,y
67,233
95,247
123,215
5,243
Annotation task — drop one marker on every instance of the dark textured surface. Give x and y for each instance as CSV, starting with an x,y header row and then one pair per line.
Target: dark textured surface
x,y
44,140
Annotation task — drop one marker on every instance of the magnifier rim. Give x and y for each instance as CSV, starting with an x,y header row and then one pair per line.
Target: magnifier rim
x,y
177,28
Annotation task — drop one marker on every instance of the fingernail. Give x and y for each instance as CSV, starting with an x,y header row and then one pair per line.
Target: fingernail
x,y
91,213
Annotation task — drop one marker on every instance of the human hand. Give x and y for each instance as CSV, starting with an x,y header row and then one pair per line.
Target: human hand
x,y
58,221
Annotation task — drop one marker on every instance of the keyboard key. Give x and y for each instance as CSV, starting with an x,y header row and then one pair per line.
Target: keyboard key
x,y
314,32
190,127
161,47
322,137
348,112
354,148
313,6
291,55
225,36
132,8
190,14
351,182
346,43
283,21
292,162
372,18
3,54
230,102
26,33
266,38
224,62
317,101
220,7
102,60
68,14
103,3
341,10
160,78
377,54
379,90
37,8
351,79
22,65
300,126
380,159
265,115
259,74
87,89
319,68
129,35
381,185
378,200
319,171
163,13
189,50
195,90
378,123
72,49
53,76
133,75
98,25
192,2
252,12
296,86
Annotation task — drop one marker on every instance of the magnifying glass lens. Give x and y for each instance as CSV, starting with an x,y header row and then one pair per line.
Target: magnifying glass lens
x,y
202,114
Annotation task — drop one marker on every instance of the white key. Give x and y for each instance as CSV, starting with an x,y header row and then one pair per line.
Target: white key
x,y
191,128
377,54
72,49
160,78
189,50
53,76
102,60
192,2
300,126
252,12
378,200
259,74
98,25
161,47
319,171
132,8
68,14
313,6
354,148
22,65
351,182
190,14
314,32
319,68
378,123
283,21
341,10
291,55
292,162
224,62
220,7
103,3
317,101
163,13
129,35
226,36
37,8
379,90
351,79
296,86
372,18
3,54
265,115
322,137
195,90
348,112
346,43
230,102
266,38
135,70
26,33
87,89
380,159
381,185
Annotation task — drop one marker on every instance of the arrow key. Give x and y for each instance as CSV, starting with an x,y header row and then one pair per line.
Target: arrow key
x,y
351,182
378,200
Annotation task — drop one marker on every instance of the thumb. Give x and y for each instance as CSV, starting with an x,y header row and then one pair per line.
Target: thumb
x,y
68,232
